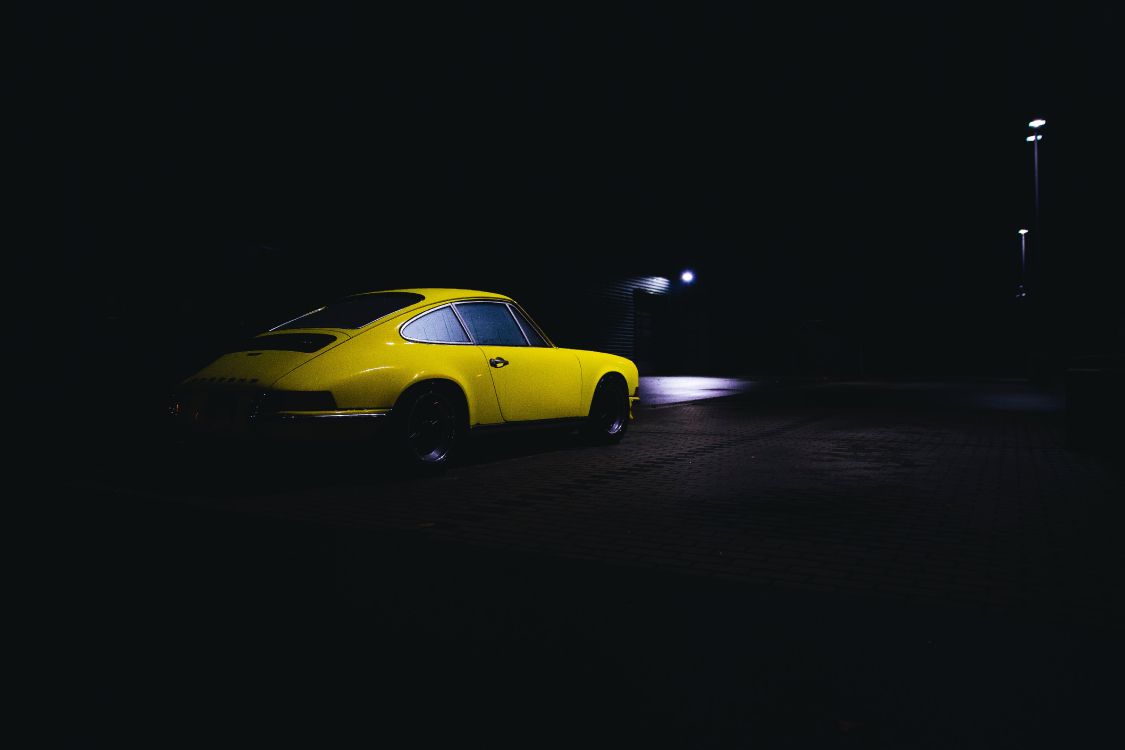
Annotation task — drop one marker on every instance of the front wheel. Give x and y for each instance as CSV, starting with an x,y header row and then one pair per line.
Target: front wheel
x,y
609,412
428,428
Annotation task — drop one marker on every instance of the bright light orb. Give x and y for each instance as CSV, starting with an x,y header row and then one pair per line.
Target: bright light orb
x,y
687,277
1038,123
1035,137
1023,231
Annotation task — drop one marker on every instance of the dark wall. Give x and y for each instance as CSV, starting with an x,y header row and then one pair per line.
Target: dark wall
x,y
846,181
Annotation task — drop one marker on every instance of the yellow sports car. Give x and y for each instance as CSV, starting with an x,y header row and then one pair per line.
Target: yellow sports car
x,y
424,366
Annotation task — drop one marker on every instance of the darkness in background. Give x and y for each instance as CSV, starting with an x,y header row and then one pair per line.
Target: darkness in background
x,y
856,173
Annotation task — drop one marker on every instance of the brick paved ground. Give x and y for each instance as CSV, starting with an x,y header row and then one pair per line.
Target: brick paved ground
x,y
963,494
844,566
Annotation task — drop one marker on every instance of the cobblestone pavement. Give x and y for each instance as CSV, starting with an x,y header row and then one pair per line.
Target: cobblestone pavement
x,y
962,495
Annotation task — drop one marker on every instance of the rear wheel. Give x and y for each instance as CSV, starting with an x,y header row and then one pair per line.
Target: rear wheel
x,y
609,412
428,426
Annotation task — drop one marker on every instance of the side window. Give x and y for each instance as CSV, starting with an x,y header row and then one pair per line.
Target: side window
x,y
439,327
491,324
533,336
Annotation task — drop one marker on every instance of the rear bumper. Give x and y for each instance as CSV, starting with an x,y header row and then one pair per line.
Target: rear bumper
x,y
344,424
243,414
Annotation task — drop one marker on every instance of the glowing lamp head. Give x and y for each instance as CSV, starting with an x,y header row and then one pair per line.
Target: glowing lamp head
x,y
1037,123
1035,137
687,277
1023,231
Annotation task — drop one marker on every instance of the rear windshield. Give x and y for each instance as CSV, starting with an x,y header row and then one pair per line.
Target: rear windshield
x,y
354,312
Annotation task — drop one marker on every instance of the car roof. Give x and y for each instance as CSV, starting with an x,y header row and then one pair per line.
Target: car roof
x,y
437,294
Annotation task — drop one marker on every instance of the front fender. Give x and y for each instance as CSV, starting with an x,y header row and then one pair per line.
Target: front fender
x,y
596,365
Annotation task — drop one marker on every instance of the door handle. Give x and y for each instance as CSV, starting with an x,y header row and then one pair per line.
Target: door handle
x,y
498,362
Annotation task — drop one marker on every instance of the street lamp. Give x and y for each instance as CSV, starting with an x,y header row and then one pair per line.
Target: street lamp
x,y
1034,139
1023,263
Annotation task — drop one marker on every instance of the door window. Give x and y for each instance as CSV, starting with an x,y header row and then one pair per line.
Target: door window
x,y
491,324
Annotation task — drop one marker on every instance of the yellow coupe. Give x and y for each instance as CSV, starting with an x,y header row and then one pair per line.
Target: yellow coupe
x,y
425,366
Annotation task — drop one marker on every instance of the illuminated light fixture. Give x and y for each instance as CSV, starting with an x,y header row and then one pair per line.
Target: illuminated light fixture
x,y
1023,231
1035,137
687,277
1037,123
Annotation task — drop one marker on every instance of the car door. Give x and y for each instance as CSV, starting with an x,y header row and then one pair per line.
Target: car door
x,y
533,379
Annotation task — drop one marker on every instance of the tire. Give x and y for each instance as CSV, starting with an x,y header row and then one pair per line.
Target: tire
x,y
428,426
609,412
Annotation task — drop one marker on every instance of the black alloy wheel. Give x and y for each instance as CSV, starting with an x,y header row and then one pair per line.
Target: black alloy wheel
x,y
430,429
609,412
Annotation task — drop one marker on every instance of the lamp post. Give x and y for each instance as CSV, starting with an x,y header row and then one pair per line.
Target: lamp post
x,y
1022,292
1034,139
1043,288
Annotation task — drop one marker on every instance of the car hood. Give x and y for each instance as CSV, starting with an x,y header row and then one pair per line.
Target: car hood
x,y
263,360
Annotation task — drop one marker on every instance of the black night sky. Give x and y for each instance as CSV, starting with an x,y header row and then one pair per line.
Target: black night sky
x,y
861,165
